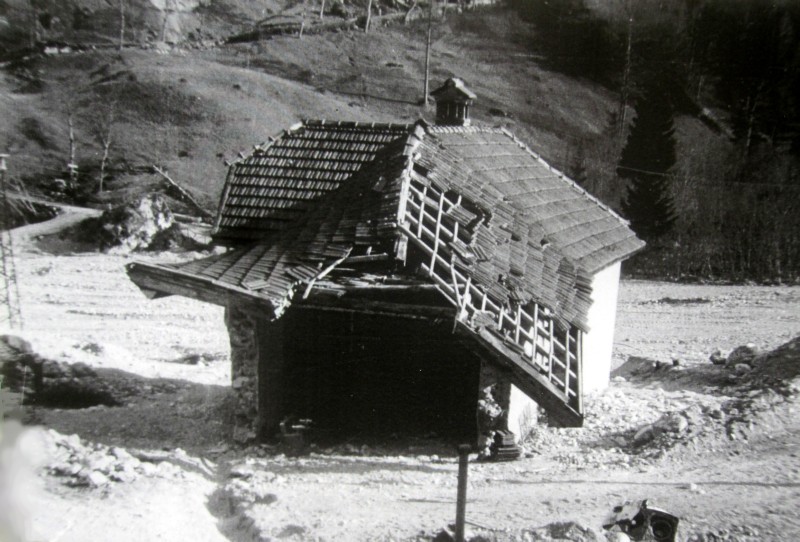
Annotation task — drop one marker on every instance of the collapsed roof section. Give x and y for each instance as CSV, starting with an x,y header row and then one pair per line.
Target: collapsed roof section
x,y
507,240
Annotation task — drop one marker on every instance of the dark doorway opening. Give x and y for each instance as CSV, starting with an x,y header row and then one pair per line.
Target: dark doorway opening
x,y
360,375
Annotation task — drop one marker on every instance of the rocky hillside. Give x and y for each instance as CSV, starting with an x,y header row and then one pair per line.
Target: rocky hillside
x,y
99,21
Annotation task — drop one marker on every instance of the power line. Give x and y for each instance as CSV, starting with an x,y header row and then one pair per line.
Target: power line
x,y
697,180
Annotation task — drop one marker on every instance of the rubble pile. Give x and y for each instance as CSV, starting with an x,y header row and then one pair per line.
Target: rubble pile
x,y
762,384
643,416
630,426
81,464
568,530
778,368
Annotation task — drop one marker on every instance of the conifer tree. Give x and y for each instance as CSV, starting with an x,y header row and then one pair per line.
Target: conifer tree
x,y
648,155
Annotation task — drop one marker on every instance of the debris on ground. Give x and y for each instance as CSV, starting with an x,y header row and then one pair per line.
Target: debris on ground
x,y
744,354
77,463
566,530
646,524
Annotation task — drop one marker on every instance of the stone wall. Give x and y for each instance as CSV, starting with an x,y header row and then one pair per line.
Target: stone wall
x,y
502,406
243,333
492,405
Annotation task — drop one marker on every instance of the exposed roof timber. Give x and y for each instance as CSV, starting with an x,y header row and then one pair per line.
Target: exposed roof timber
x,y
320,299
524,376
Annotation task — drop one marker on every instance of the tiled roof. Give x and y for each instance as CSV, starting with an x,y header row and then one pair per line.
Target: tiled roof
x,y
274,186
543,241
548,208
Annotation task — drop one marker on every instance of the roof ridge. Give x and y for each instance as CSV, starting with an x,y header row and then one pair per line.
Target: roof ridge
x,y
472,129
271,140
410,151
357,124
563,176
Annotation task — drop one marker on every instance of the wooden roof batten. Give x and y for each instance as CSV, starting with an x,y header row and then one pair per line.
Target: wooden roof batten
x,y
424,195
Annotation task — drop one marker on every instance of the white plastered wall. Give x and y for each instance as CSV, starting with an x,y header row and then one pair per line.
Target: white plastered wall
x,y
599,342
522,412
597,347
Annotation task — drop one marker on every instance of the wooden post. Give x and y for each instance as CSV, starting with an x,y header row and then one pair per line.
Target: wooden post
x,y
437,231
461,497
421,212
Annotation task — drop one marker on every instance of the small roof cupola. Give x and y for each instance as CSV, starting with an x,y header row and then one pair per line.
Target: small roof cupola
x,y
453,100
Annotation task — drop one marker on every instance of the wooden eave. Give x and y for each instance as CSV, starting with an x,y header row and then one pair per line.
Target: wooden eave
x,y
163,282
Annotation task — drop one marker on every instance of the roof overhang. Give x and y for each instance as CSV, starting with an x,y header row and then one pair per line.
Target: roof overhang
x,y
375,299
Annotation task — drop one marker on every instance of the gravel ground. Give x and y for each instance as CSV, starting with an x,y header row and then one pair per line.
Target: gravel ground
x,y
690,438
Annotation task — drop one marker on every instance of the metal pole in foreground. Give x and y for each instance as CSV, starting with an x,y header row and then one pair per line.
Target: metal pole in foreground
x,y
461,499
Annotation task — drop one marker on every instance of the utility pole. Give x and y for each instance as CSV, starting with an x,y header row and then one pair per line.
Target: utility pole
x,y
428,53
9,292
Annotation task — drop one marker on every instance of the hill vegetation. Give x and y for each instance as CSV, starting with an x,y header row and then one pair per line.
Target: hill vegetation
x,y
568,76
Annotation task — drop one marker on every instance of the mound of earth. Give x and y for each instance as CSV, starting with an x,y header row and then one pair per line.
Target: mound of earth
x,y
146,225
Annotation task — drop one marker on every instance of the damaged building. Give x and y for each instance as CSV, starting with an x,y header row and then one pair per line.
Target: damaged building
x,y
408,279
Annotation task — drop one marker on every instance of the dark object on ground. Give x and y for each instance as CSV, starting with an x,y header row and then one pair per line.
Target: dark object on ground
x,y
504,447
648,524
292,435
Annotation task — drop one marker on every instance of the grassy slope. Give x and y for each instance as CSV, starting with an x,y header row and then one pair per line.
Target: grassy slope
x,y
189,110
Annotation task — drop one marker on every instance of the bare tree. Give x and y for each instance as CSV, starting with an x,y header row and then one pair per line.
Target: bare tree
x,y
122,6
34,29
322,11
71,165
626,76
407,17
369,16
169,7
303,19
104,127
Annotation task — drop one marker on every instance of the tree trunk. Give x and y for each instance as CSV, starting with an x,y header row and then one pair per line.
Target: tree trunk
x,y
34,26
322,11
103,161
303,19
408,13
121,24
71,166
626,75
369,16
167,9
